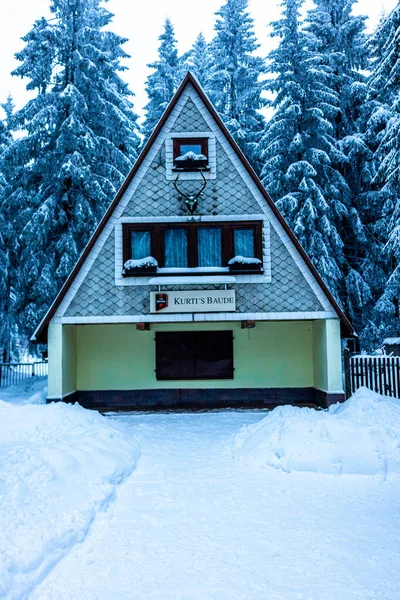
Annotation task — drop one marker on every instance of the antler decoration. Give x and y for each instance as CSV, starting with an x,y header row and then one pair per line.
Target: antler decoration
x,y
191,200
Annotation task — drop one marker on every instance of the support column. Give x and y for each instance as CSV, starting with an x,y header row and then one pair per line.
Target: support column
x,y
327,362
54,348
62,361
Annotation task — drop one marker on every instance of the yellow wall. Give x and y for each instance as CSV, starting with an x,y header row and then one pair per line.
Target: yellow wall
x,y
55,352
62,360
327,355
69,362
273,354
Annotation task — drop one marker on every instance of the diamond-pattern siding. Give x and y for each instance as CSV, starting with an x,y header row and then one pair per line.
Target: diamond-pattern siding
x,y
190,119
289,291
226,195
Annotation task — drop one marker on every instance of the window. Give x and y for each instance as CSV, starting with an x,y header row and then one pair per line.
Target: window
x,y
208,247
244,242
194,355
175,247
190,154
140,244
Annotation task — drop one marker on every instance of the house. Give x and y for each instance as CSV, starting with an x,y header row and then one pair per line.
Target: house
x,y
193,291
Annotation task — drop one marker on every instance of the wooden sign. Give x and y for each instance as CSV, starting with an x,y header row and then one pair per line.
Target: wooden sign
x,y
191,302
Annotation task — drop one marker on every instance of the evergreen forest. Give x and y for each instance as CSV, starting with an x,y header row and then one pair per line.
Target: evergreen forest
x,y
318,119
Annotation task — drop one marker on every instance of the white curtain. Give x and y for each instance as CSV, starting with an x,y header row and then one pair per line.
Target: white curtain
x,y
209,247
243,242
175,248
140,244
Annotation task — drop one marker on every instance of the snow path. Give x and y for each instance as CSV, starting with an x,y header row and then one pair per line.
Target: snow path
x,y
192,523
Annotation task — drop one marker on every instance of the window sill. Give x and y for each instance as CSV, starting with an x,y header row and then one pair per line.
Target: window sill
x,y
139,273
189,169
246,270
192,270
195,280
186,276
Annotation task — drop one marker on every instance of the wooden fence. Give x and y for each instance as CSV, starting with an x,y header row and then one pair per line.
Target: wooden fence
x,y
14,373
378,373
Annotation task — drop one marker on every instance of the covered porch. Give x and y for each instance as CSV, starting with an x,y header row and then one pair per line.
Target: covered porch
x,y
112,366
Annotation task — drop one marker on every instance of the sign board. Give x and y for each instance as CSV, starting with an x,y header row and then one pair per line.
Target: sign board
x,y
195,301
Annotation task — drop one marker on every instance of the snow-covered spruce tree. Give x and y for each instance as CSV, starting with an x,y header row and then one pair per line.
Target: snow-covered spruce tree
x,y
81,141
337,38
199,60
384,131
236,85
5,139
380,134
6,295
163,82
298,147
384,47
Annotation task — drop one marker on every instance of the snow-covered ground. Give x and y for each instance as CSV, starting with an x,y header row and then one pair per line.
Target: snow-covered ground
x,y
59,467
238,505
358,437
31,391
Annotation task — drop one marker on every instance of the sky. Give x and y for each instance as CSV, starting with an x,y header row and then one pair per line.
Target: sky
x,y
142,22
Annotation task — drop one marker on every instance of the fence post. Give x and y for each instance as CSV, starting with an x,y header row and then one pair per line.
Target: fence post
x,y
347,383
33,369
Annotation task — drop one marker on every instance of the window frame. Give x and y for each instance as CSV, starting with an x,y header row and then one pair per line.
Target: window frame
x,y
192,356
160,234
257,238
157,244
176,144
126,237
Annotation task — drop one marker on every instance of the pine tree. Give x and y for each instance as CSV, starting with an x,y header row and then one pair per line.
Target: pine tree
x,y
81,141
337,38
199,61
384,46
163,82
6,312
298,147
383,131
235,85
5,138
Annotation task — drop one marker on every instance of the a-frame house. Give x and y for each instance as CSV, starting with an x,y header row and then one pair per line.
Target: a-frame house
x,y
193,291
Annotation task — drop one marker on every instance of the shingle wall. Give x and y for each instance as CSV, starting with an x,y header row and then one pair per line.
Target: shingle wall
x,y
226,195
288,291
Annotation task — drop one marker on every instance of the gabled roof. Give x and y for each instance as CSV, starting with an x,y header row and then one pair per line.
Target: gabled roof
x,y
41,332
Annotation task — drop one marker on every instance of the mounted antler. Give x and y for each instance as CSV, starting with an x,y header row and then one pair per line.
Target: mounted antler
x,y
191,200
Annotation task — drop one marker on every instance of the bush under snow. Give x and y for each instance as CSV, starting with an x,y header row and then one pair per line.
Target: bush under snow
x,y
360,436
59,466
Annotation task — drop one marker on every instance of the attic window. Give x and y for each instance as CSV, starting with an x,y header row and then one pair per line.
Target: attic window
x,y
190,154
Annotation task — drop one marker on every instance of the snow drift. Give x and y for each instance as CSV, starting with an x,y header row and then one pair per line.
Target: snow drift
x,y
59,466
31,391
360,436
